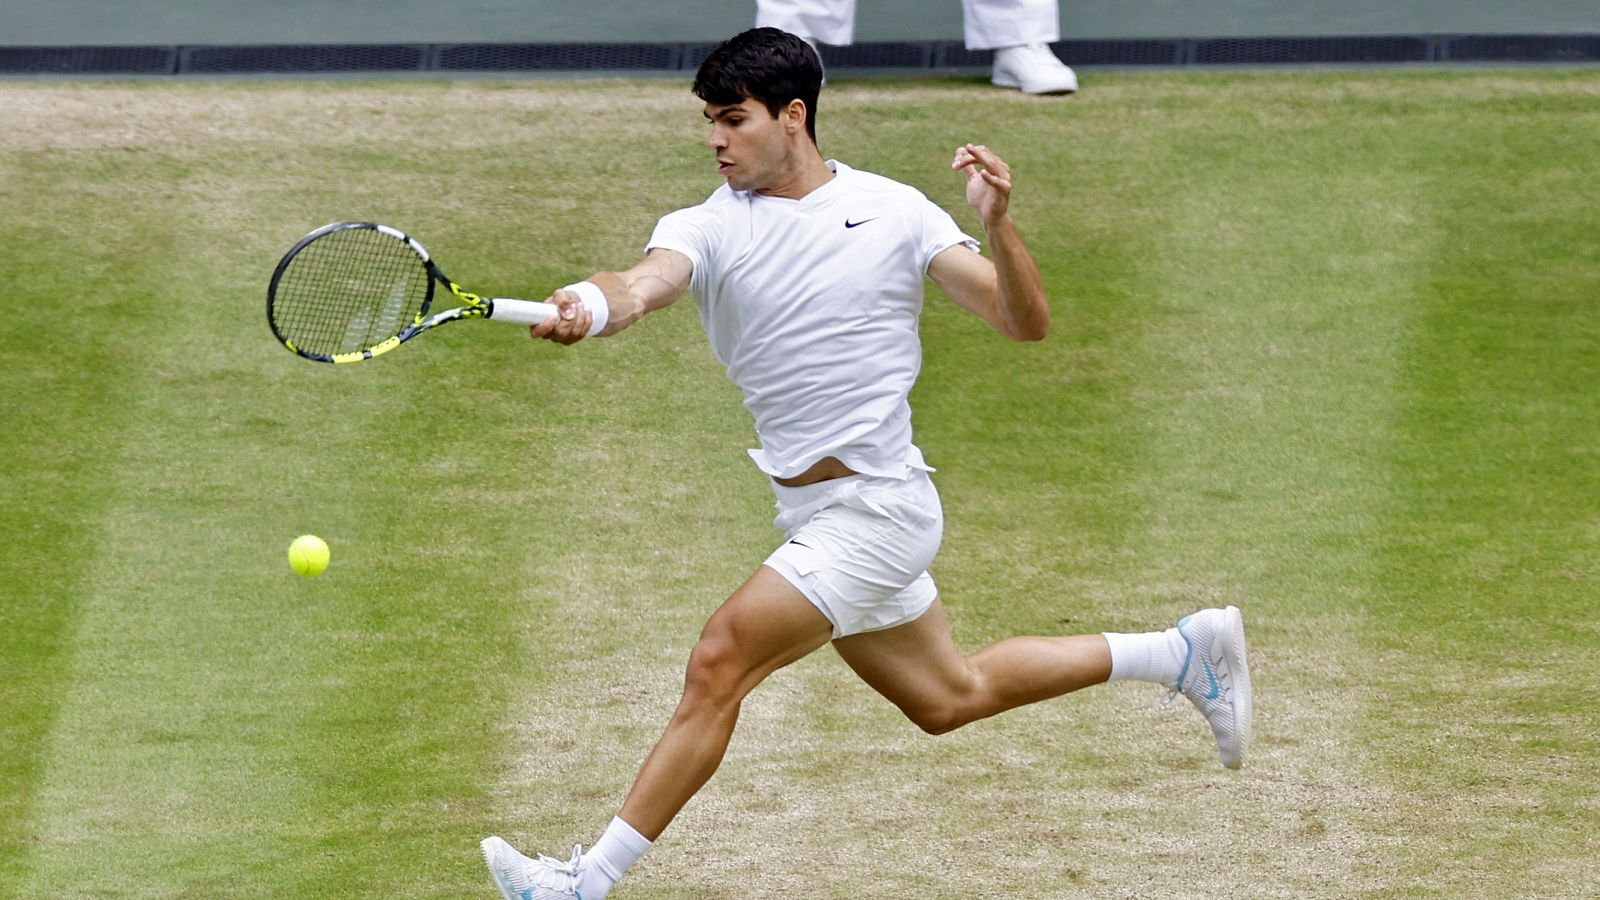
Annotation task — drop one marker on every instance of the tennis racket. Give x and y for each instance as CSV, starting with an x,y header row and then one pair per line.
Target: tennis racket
x,y
350,291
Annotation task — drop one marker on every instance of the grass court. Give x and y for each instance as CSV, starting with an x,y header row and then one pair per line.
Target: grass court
x,y
1326,346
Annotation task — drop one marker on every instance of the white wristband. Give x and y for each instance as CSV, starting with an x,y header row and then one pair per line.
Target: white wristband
x,y
594,300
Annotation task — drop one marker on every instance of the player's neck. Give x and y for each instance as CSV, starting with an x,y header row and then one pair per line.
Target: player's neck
x,y
809,173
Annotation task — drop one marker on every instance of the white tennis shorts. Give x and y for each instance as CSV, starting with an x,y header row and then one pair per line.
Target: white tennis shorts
x,y
859,548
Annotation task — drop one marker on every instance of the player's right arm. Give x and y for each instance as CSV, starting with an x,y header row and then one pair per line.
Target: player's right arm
x,y
654,283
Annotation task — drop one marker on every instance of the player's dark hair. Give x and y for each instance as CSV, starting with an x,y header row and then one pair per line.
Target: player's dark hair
x,y
769,66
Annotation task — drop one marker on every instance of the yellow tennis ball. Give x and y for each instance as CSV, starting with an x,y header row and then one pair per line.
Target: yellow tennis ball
x,y
308,555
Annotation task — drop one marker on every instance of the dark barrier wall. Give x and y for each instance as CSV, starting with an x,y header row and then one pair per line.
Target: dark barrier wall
x,y
149,22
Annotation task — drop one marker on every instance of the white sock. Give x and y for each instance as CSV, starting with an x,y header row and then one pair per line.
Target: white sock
x,y
1154,656
611,856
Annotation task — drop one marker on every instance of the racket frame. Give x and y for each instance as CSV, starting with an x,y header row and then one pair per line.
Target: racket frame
x,y
473,306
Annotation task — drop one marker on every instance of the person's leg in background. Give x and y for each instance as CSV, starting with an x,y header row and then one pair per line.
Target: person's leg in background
x,y
827,21
1020,32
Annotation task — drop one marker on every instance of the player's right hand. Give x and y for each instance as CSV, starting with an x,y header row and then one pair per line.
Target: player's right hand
x,y
571,322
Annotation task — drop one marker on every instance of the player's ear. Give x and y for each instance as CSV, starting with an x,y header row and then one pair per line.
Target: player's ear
x,y
794,116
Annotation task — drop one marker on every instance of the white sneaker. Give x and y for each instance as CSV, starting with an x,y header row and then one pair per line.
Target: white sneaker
x,y
1033,69
1216,678
521,878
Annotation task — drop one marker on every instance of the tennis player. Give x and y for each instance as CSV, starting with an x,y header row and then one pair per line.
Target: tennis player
x,y
809,279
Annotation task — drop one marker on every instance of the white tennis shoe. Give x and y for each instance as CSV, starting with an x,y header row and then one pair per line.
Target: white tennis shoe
x,y
1216,678
1033,69
521,878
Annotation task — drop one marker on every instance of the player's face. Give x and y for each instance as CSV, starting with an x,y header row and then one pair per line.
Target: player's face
x,y
750,144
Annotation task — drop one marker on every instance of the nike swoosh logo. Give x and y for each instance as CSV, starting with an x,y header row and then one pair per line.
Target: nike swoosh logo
x,y
1216,689
850,224
1205,665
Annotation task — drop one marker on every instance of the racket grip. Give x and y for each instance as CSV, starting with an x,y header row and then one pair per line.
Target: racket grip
x,y
520,312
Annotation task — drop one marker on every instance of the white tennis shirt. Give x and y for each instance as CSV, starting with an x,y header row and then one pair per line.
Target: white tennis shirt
x,y
812,305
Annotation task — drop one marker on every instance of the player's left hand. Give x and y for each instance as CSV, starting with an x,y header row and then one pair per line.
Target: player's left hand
x,y
988,181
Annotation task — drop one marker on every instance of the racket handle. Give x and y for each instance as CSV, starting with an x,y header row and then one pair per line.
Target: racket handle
x,y
520,312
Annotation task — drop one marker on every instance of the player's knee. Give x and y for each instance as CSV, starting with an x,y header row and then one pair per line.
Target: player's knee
x,y
938,718
713,674
953,705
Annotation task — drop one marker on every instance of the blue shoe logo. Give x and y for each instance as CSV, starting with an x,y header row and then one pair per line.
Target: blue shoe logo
x,y
1205,664
1216,689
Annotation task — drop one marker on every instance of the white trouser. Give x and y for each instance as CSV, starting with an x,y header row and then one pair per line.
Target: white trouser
x,y
989,24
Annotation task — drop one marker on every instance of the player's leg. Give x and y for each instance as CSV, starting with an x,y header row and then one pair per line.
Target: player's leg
x,y
919,669
765,625
1019,31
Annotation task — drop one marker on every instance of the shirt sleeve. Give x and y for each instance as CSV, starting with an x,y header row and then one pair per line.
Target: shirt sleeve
x,y
940,232
691,232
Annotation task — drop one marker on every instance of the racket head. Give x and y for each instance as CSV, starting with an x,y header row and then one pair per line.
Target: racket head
x,y
350,291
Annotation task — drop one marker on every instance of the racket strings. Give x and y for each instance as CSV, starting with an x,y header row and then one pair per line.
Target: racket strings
x,y
349,290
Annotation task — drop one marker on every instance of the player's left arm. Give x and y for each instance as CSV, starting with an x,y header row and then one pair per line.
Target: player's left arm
x,y
1006,291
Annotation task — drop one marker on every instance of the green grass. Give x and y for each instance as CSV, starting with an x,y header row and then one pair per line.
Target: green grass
x,y
1326,346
